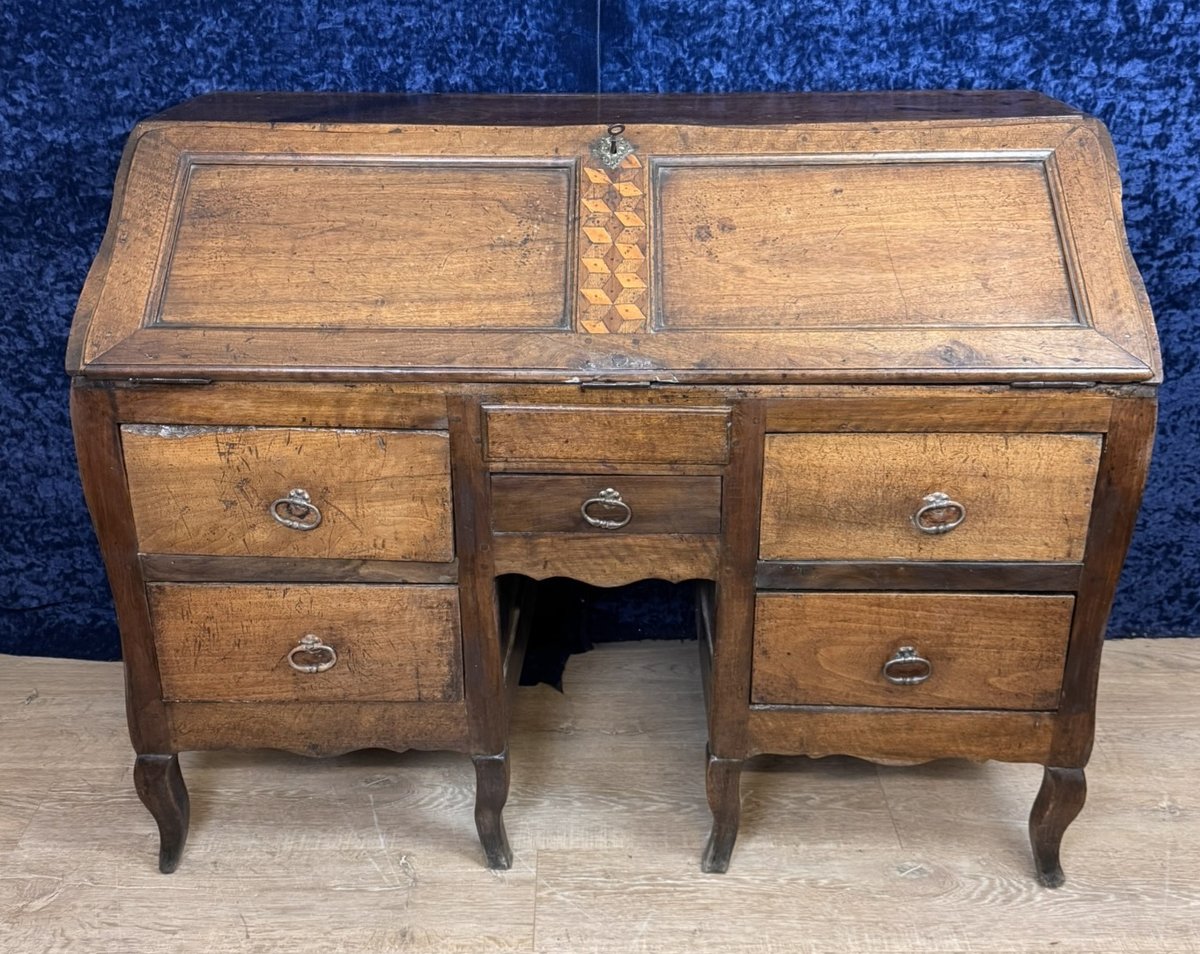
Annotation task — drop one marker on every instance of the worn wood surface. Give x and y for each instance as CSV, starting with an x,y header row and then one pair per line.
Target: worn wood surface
x,y
988,651
912,575
818,245
608,561
853,496
677,436
266,243
201,490
607,819
1116,343
230,643
551,504
166,567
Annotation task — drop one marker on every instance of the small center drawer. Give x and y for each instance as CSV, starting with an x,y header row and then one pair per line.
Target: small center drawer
x,y
911,650
290,492
537,503
284,643
608,434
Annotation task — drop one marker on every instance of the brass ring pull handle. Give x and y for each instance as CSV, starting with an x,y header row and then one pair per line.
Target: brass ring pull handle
x,y
930,506
296,511
323,658
609,499
907,668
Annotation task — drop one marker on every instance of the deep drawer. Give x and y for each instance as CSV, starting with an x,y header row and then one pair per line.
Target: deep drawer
x,y
233,643
539,503
290,492
862,496
608,435
968,651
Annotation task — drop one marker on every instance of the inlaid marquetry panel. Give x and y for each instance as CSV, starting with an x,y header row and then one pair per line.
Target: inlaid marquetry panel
x,y
613,269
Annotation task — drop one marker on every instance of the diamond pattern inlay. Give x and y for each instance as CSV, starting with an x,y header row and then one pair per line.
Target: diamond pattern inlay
x,y
613,282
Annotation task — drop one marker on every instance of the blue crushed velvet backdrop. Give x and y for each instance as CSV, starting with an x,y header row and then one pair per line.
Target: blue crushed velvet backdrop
x,y
74,77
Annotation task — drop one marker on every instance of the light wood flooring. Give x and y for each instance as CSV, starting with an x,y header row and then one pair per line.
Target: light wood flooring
x,y
374,852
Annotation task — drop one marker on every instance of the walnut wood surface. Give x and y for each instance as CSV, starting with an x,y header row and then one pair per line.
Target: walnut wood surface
x,y
160,567
219,643
262,403
640,435
821,245
121,338
1058,802
903,735
986,651
608,561
318,728
551,504
909,575
201,490
838,497
159,784
391,244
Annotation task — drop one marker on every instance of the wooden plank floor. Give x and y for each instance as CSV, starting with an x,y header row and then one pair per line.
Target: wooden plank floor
x,y
373,852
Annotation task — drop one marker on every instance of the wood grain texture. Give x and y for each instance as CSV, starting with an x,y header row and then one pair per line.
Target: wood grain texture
x,y
201,490
608,780
868,244
264,403
643,435
848,497
901,736
551,504
208,569
304,243
230,643
986,651
608,561
894,575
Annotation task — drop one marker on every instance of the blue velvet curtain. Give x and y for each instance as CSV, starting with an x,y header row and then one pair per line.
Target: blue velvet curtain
x,y
74,77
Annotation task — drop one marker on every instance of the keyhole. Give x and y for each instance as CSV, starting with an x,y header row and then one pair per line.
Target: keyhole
x,y
614,131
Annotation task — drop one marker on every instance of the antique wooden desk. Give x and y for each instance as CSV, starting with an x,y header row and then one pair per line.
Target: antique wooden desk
x,y
877,371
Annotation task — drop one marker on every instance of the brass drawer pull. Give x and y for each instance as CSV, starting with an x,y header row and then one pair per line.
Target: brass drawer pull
x,y
935,502
609,499
296,511
312,646
907,668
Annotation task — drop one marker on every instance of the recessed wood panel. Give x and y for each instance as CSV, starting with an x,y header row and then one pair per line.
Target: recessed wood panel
x,y
230,643
984,651
1027,497
370,245
381,495
840,245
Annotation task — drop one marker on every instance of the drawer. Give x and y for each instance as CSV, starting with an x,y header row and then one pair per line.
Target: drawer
x,y
957,651
861,496
233,643
608,435
555,504
290,492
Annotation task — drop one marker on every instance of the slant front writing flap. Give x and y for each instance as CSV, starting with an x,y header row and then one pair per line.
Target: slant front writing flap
x,y
967,250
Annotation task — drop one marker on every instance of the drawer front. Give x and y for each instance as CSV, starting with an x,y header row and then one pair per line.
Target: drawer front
x,y
860,496
233,643
290,492
608,435
605,504
967,651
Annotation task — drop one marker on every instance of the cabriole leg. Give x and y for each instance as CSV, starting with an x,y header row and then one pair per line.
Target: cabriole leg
x,y
491,792
1059,800
723,784
159,785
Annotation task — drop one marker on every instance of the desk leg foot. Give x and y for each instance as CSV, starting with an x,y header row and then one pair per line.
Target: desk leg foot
x,y
159,785
1059,800
491,792
723,784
